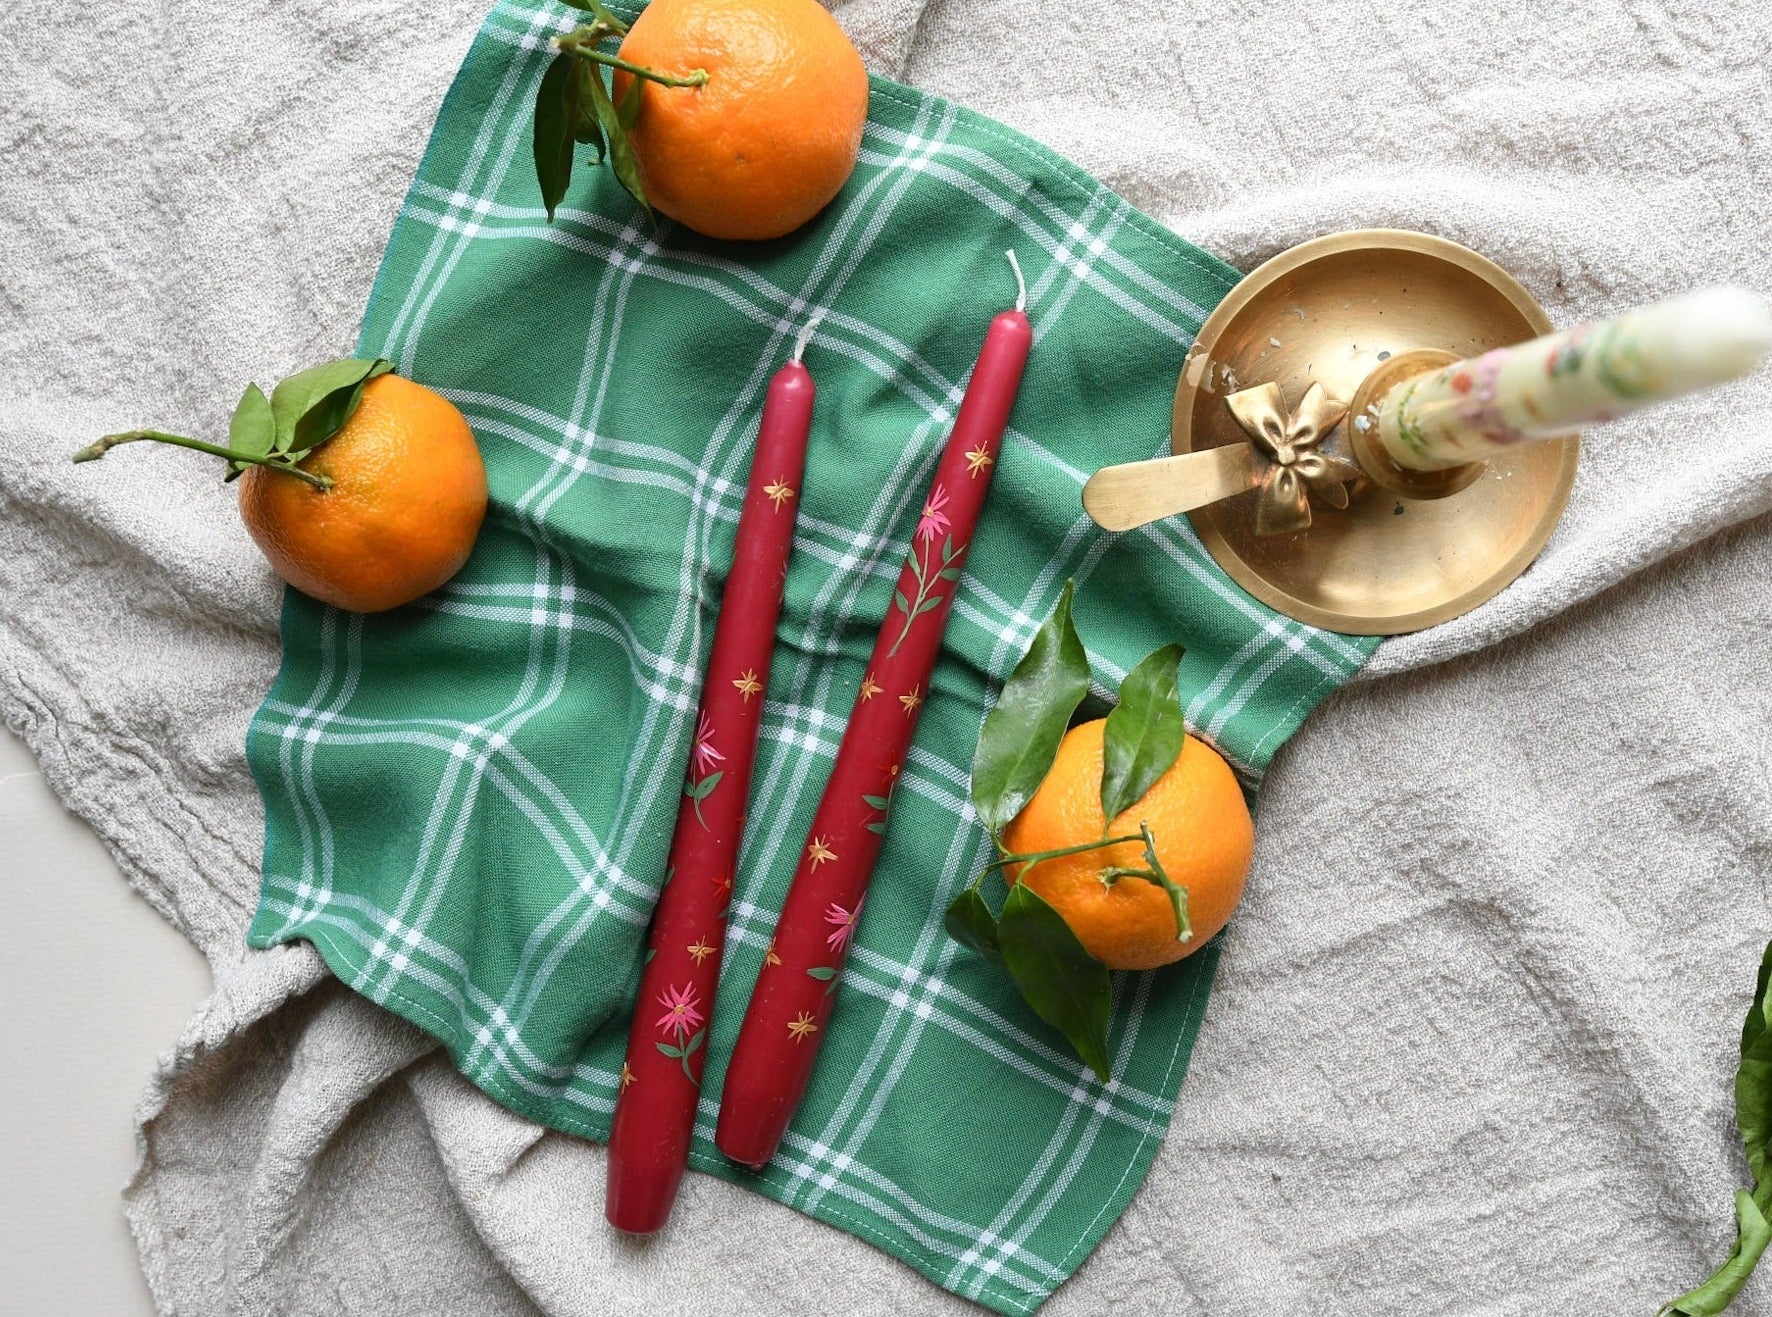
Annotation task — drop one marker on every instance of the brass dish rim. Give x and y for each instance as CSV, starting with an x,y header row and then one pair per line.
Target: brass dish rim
x,y
1226,312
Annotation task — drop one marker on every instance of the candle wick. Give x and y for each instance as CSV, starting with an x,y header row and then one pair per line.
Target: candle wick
x,y
806,334
1021,285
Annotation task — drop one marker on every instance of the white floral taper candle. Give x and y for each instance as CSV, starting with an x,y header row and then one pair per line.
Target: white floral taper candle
x,y
1474,409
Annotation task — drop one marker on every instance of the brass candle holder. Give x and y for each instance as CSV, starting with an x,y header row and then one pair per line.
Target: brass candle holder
x,y
1302,507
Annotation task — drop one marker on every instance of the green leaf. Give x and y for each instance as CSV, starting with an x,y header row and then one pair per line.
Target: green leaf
x,y
970,923
700,791
593,7
627,114
1752,1234
1022,731
1753,1116
585,127
556,128
929,605
1753,1093
949,574
823,973
621,154
1066,986
695,1040
253,429
311,405
1144,733
876,802
1755,1023
329,415
608,17
877,827
904,605
668,1050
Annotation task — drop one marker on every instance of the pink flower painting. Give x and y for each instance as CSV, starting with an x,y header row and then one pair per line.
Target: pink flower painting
x,y
682,1010
705,754
934,521
843,922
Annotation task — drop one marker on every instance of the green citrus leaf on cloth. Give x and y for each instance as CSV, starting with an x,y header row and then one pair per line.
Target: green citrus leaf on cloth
x,y
621,155
1752,1233
585,127
253,429
556,129
1021,732
1753,1088
1753,1116
1066,986
1144,732
970,922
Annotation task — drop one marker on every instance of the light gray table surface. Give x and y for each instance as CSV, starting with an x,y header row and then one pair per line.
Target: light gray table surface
x,y
98,986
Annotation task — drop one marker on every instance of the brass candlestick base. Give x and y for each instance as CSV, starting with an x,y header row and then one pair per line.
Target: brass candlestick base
x,y
1349,313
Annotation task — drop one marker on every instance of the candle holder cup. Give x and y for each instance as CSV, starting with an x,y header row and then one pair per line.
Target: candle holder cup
x,y
1298,500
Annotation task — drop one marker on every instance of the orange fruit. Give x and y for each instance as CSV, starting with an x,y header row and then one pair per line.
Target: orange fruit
x,y
767,141
407,499
1204,841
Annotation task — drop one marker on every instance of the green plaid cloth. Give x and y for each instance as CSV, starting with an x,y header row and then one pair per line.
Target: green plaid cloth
x,y
469,801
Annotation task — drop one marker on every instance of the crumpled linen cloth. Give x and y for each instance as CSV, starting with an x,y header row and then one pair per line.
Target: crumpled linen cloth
x,y
1474,1028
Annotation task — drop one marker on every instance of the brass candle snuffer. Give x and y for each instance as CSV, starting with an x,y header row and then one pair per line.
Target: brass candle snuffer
x,y
1353,452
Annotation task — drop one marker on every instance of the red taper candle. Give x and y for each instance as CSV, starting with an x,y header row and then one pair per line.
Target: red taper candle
x,y
661,1078
784,1025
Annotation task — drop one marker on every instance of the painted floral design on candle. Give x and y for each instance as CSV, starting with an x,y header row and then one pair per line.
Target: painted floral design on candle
x,y
682,1013
843,924
934,521
924,569
702,761
881,803
682,1009
1554,385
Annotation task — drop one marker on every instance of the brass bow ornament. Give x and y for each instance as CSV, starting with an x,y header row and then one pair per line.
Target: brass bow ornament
x,y
1291,441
